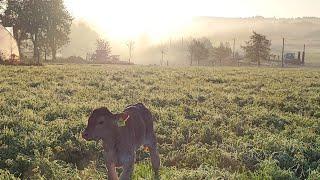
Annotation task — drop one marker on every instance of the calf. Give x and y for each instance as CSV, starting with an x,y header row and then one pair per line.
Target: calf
x,y
122,134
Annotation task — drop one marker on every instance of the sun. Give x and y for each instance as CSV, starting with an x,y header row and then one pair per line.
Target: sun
x,y
127,21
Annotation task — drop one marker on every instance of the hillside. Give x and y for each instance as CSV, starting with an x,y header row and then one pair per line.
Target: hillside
x,y
272,27
211,123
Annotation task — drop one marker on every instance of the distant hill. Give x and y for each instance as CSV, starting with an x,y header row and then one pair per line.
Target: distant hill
x,y
224,29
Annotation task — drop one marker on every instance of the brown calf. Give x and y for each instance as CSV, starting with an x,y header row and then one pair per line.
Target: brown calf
x,y
122,134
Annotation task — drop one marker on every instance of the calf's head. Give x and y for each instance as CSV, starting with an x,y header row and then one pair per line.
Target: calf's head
x,y
101,124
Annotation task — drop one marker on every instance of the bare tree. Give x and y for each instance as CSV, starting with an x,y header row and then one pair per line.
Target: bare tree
x,y
198,51
163,53
130,45
222,52
103,51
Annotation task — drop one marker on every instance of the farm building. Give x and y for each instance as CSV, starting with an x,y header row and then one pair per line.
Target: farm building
x,y
8,45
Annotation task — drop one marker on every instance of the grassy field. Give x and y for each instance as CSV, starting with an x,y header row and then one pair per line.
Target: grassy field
x,y
212,123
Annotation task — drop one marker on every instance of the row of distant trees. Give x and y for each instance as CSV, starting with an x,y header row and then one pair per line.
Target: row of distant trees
x,y
202,49
46,24
256,50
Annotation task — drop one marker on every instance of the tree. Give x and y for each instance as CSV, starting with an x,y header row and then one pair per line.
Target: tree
x,y
45,23
103,45
58,26
44,47
35,24
130,45
103,51
191,50
13,16
198,51
257,48
222,52
163,51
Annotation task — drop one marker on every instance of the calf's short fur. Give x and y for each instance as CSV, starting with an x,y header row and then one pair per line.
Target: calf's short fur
x,y
121,141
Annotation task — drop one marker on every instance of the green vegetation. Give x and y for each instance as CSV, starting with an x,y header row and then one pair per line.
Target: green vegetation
x,y
257,48
231,123
42,23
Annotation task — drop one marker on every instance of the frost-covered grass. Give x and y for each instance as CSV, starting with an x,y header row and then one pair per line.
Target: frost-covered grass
x,y
235,123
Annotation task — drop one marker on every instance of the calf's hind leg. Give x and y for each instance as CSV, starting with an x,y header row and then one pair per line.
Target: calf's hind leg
x,y
154,154
155,160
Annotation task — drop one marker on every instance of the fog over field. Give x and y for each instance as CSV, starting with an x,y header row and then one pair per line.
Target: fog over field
x,y
150,90
296,31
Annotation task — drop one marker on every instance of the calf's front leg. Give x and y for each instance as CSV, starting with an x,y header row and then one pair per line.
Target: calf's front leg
x,y
112,173
110,163
128,168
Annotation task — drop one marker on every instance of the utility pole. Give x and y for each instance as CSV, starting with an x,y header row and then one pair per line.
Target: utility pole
x,y
234,52
162,56
130,45
234,48
303,54
282,65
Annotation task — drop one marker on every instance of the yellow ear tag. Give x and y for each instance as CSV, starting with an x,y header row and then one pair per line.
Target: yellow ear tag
x,y
122,122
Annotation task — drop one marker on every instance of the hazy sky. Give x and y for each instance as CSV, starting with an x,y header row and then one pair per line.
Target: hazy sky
x,y
126,18
225,8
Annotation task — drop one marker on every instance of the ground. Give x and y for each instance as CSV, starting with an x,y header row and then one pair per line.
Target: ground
x,y
235,123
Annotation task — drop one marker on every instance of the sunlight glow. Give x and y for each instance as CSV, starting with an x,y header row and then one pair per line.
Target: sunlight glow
x,y
128,19
123,19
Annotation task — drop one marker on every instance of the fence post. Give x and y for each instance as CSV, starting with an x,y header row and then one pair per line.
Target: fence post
x,y
282,60
303,54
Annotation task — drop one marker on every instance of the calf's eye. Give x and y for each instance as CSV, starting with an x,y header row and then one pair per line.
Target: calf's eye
x,y
101,122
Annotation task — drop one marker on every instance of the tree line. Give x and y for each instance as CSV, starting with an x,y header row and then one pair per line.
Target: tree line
x,y
256,50
46,24
203,50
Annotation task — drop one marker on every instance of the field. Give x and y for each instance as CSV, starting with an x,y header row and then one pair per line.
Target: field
x,y
212,123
